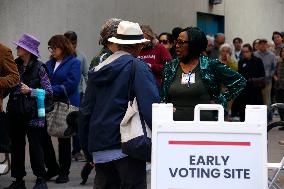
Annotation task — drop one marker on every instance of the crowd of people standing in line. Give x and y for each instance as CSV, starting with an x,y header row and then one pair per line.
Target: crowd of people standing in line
x,y
260,63
184,68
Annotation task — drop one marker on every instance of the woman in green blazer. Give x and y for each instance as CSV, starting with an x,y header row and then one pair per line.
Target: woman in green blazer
x,y
193,78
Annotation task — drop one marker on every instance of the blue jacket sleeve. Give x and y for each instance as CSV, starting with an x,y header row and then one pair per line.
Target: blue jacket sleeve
x,y
146,90
72,80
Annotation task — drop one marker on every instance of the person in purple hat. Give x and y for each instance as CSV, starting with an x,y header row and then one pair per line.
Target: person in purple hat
x,y
23,115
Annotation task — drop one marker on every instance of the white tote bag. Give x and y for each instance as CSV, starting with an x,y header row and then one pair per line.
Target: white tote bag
x,y
130,126
135,133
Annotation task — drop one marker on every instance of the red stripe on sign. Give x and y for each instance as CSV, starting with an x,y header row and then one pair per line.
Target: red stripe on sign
x,y
209,143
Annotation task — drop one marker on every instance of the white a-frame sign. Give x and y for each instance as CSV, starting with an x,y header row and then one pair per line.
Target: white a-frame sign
x,y
202,155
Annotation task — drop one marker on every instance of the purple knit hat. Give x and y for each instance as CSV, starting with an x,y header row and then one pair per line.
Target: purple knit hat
x,y
29,43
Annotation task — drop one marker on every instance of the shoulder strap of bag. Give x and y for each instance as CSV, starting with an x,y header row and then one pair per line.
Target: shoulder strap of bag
x,y
66,94
131,93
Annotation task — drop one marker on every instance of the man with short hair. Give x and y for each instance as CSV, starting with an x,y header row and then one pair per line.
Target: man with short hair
x,y
269,62
210,45
237,42
72,36
219,39
108,30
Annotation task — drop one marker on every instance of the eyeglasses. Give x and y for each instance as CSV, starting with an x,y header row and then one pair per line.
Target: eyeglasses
x,y
163,42
51,49
181,42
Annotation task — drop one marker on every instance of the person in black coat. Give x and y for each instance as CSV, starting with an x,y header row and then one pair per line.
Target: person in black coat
x,y
252,69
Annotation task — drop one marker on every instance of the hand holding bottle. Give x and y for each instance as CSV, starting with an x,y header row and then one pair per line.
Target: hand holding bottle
x,y
40,95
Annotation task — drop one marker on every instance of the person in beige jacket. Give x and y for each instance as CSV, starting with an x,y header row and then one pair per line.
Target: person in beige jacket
x,y
9,75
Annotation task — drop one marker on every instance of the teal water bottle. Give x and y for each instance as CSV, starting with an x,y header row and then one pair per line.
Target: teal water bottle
x,y
40,95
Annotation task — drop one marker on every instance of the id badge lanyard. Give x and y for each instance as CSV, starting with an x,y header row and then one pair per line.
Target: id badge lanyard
x,y
189,76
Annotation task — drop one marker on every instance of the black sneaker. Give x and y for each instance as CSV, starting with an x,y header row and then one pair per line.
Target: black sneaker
x,y
62,179
17,185
40,184
50,174
86,172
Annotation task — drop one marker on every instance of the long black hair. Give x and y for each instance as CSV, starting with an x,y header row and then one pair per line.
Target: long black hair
x,y
197,43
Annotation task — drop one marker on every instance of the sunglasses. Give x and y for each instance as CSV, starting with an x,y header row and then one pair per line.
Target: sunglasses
x,y
163,42
181,42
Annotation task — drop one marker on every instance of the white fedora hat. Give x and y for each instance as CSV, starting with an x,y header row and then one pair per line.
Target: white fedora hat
x,y
128,33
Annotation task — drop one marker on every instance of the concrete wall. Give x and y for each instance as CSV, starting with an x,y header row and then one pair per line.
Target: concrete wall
x,y
248,19
251,19
44,18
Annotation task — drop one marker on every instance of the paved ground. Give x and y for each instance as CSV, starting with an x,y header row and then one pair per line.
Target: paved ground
x,y
74,176
275,153
30,179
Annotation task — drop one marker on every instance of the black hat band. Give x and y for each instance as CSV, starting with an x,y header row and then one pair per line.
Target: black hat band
x,y
129,37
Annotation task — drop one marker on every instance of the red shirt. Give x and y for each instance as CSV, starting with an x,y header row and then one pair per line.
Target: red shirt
x,y
156,57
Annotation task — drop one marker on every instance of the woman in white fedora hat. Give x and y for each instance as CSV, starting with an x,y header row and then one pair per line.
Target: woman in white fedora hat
x,y
105,105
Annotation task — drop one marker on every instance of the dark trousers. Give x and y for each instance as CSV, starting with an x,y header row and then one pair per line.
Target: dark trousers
x,y
64,151
279,96
125,173
4,133
19,131
49,154
75,139
76,145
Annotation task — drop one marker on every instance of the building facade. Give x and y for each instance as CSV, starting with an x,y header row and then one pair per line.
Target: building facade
x,y
248,19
